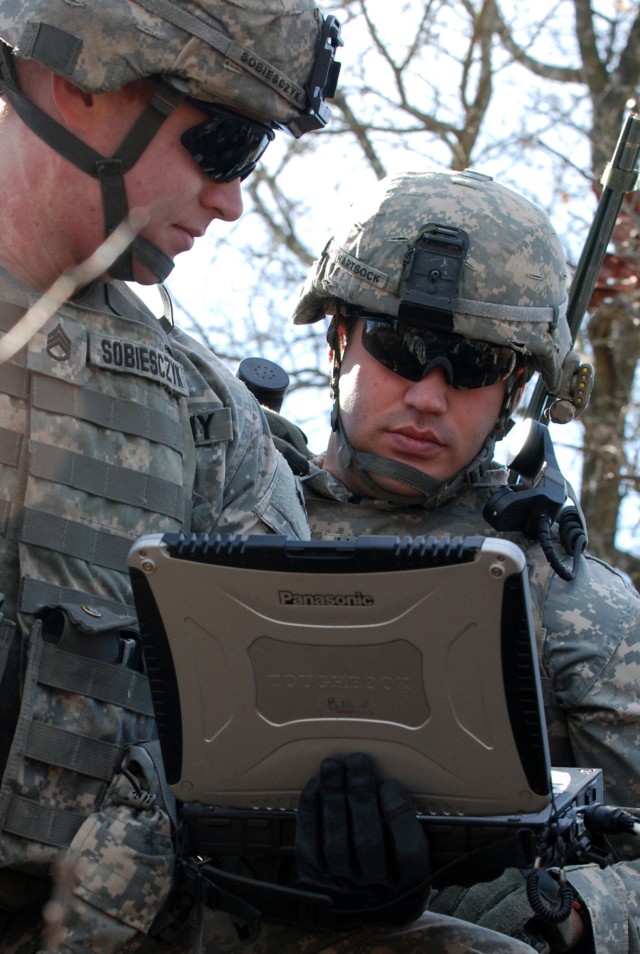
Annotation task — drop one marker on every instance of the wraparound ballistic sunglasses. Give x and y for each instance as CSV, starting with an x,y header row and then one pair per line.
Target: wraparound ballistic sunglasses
x,y
413,353
226,145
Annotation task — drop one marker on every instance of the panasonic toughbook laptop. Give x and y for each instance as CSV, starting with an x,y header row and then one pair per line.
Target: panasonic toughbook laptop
x,y
267,654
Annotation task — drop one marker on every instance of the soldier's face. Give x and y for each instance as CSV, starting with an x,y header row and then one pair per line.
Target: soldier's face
x,y
427,424
180,199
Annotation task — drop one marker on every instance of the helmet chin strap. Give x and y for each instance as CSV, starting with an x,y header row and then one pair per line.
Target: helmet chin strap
x,y
364,463
110,170
430,492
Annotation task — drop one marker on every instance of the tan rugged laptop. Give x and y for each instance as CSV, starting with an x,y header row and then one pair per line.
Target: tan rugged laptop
x,y
268,654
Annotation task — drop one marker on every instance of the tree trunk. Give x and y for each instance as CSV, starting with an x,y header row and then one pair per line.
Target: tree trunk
x,y
615,337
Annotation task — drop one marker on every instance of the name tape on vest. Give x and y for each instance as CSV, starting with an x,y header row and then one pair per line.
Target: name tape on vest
x,y
131,357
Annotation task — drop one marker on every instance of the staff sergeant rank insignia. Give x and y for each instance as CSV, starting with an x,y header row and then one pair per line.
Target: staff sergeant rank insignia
x,y
131,357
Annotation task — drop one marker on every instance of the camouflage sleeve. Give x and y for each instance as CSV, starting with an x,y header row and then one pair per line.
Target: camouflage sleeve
x,y
612,898
591,651
242,484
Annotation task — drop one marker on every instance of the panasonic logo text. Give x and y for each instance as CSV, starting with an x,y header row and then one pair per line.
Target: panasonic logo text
x,y
287,598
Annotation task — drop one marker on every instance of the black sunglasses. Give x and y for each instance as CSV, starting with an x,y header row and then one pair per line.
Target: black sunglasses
x,y
413,353
226,145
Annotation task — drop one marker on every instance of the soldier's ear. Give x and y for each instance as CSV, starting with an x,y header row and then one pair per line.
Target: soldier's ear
x,y
76,109
338,335
344,327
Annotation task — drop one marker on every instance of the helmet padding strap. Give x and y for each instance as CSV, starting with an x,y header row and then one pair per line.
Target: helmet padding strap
x,y
109,170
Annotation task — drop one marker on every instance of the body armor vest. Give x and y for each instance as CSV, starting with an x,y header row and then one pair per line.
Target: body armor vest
x,y
95,449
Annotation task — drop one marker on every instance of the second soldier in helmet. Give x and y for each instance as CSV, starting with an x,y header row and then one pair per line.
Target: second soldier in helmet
x,y
443,293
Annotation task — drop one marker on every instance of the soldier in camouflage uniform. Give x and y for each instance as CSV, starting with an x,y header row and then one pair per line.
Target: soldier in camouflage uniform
x,y
428,366
114,423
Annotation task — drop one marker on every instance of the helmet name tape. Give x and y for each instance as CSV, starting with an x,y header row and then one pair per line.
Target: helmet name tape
x,y
266,72
324,76
433,277
363,271
234,51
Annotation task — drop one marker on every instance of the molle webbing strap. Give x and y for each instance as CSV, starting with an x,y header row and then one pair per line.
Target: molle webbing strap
x,y
14,376
5,512
110,684
10,662
10,443
7,636
14,380
117,685
128,417
78,540
76,753
10,314
114,483
41,823
36,593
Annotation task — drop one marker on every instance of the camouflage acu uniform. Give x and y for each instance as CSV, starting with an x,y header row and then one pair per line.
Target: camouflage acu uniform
x,y
588,634
112,427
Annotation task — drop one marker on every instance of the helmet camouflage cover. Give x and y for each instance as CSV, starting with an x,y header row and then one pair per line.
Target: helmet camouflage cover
x,y
256,55
512,287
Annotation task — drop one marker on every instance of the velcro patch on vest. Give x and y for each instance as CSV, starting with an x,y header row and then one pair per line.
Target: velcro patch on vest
x,y
131,357
210,424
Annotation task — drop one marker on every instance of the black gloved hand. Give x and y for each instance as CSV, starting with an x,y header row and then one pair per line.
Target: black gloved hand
x,y
359,842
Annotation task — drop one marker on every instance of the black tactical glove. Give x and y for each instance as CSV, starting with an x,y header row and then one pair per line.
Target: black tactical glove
x,y
359,842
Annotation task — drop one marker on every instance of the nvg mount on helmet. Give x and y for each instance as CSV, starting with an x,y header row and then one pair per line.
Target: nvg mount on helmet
x,y
433,276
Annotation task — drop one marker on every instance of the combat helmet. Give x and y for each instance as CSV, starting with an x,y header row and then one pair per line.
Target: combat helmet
x,y
456,253
271,60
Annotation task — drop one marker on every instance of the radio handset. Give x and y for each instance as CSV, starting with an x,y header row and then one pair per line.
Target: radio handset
x,y
539,497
